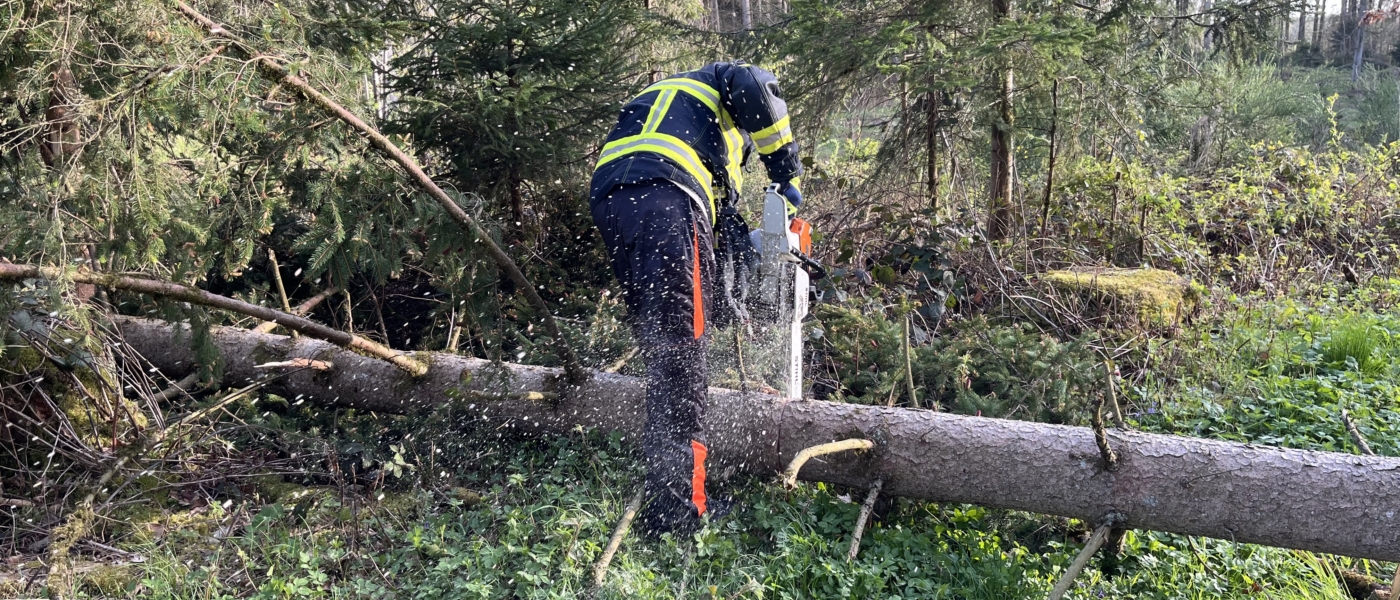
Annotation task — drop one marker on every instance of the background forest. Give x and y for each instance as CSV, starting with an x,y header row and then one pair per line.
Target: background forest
x,y
1191,203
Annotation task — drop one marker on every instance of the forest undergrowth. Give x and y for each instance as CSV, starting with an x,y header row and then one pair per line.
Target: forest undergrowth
x,y
275,498
1203,226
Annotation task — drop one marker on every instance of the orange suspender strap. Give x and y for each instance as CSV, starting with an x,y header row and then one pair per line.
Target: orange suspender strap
x,y
697,477
699,298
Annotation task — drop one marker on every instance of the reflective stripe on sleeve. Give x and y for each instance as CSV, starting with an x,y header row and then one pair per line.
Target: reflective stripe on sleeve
x,y
734,156
770,139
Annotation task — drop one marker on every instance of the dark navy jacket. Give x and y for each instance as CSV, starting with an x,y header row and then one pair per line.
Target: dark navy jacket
x,y
691,129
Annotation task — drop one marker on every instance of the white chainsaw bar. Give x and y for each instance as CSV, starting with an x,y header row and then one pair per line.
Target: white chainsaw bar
x,y
782,282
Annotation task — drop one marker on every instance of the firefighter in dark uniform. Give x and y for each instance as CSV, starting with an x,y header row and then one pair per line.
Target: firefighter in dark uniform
x,y
675,158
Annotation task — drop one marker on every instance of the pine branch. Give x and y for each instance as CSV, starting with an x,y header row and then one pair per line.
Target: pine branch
x,y
276,72
195,295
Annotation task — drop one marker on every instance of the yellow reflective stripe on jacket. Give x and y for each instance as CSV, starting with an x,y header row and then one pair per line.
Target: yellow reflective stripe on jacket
x,y
669,146
772,138
659,106
734,151
704,93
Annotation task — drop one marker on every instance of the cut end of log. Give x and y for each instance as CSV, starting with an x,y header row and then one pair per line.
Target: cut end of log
x,y
299,363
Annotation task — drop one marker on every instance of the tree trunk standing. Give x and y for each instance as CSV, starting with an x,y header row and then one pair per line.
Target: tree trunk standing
x,y
745,15
931,98
1003,162
1003,157
1050,164
1303,24
1317,501
1206,40
1318,21
1347,26
1178,33
1359,55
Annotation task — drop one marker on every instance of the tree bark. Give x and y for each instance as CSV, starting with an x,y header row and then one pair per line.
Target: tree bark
x,y
1359,56
1003,157
1318,21
1323,502
1303,23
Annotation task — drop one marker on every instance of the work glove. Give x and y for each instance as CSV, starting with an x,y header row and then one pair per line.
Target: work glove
x,y
793,194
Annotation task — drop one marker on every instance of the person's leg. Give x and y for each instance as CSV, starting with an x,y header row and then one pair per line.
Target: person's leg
x,y
661,253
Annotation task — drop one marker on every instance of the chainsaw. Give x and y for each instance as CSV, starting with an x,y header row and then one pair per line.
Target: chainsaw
x,y
784,279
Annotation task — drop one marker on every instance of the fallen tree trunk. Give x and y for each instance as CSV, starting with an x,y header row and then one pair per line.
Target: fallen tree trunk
x,y
1326,502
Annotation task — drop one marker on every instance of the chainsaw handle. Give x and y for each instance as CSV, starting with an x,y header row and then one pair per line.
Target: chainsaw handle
x,y
813,268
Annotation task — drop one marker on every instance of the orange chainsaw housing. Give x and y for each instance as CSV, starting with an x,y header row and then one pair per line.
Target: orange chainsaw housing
x,y
803,230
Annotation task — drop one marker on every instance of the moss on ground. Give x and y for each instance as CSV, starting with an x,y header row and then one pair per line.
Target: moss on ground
x,y
107,580
273,488
1156,298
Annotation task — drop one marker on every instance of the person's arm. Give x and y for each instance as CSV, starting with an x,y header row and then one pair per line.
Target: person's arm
x,y
754,99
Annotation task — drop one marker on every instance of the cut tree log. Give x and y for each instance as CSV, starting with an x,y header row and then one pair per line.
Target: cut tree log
x,y
1323,502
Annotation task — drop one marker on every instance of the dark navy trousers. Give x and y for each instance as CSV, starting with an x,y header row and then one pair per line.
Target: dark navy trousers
x,y
660,245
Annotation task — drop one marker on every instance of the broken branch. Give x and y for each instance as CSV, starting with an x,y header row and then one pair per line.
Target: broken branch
x,y
1356,434
298,363
790,474
1096,540
195,295
302,309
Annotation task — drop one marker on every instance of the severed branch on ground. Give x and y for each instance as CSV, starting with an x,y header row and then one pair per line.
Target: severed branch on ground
x,y
1075,568
1356,434
600,570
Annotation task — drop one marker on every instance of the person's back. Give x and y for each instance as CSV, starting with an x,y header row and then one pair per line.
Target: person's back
x,y
674,158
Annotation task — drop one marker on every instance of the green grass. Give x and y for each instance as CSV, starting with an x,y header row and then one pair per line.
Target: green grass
x,y
548,507
1279,372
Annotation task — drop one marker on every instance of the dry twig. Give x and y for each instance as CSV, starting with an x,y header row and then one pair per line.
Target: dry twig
x,y
600,570
865,510
281,289
1356,434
